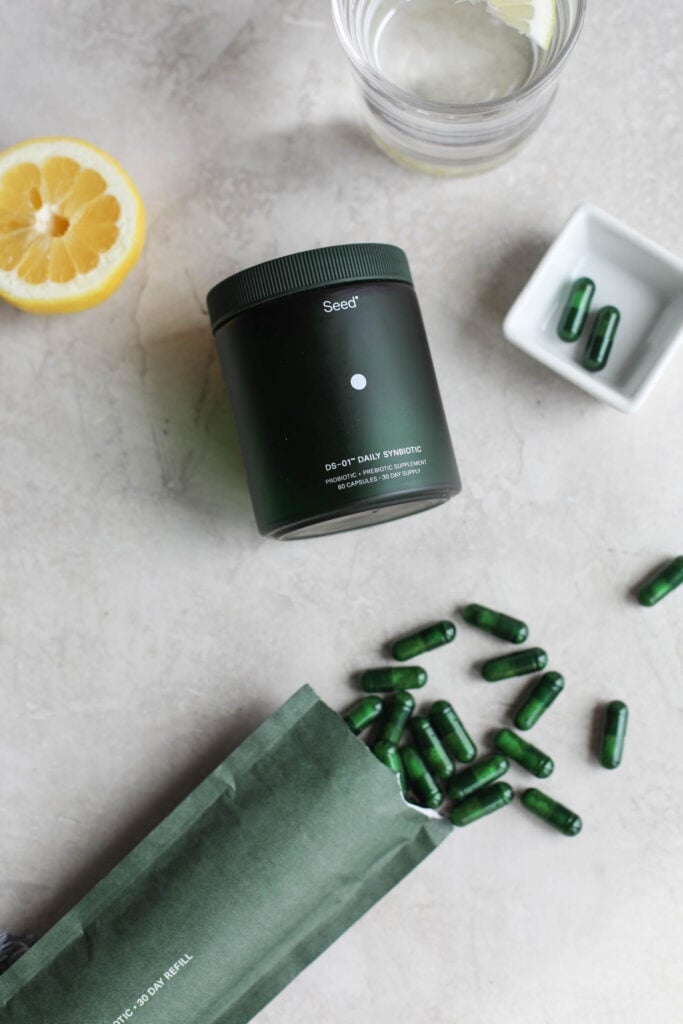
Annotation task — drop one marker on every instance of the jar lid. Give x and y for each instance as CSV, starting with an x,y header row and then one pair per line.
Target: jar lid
x,y
301,271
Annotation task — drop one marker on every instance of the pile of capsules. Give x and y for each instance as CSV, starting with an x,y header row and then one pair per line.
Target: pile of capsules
x,y
573,320
440,738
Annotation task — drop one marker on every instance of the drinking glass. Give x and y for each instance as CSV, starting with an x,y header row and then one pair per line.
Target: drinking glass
x,y
445,86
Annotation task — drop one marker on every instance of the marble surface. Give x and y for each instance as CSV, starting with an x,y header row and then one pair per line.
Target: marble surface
x,y
146,627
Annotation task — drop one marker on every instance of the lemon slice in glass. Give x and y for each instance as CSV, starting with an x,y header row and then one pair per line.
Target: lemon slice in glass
x,y
71,225
533,18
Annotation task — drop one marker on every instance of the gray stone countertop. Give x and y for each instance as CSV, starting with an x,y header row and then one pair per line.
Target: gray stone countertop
x,y
146,627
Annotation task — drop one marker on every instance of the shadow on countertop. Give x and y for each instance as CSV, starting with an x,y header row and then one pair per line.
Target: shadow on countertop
x,y
508,277
192,425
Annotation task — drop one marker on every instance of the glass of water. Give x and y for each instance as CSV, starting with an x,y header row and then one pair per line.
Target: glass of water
x,y
447,87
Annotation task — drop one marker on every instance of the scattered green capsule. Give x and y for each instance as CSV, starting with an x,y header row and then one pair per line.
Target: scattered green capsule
x,y
546,690
384,680
613,734
469,780
433,754
426,640
658,586
521,751
420,779
497,623
599,344
519,664
388,754
576,309
483,802
399,709
453,733
363,713
555,814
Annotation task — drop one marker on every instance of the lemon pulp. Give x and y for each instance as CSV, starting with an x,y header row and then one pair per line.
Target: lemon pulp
x,y
71,225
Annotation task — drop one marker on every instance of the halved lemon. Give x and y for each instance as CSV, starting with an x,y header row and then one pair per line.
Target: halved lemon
x,y
533,18
72,225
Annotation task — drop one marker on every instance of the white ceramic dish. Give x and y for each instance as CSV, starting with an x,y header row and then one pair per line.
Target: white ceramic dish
x,y
639,277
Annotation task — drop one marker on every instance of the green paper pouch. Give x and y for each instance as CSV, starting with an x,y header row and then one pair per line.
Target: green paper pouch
x,y
287,843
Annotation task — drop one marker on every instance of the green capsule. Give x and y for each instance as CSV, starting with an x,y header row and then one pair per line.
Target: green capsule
x,y
601,337
426,640
388,754
613,734
576,309
363,713
483,802
469,780
420,779
555,814
519,664
453,733
433,754
399,709
546,690
519,750
384,680
658,586
497,623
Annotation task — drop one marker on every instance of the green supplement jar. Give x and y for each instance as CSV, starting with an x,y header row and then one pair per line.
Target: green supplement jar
x,y
337,406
